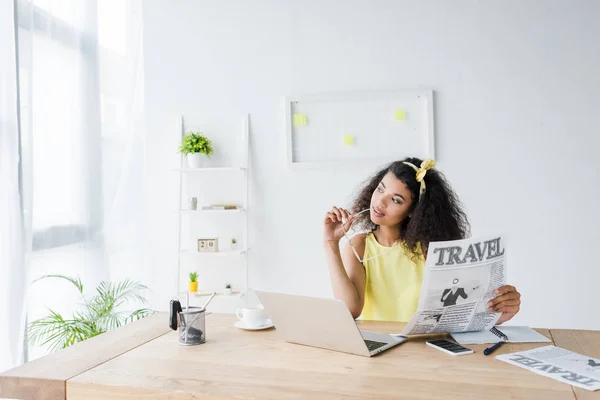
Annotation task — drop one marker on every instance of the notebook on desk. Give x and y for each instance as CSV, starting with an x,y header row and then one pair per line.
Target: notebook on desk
x,y
515,334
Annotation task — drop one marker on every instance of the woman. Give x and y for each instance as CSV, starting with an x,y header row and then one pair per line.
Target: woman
x,y
405,206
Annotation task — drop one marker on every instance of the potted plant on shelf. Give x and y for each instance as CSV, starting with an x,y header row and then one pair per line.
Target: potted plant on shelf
x,y
196,147
234,244
228,290
193,283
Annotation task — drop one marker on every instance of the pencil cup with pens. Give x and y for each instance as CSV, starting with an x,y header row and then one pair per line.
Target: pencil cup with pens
x,y
189,321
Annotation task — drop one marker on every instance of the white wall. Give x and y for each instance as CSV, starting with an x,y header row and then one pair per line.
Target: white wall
x,y
517,101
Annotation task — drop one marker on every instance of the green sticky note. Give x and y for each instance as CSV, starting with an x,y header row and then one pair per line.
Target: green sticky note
x,y
348,140
400,115
299,119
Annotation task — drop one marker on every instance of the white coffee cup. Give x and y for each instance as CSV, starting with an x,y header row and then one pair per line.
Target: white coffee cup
x,y
252,317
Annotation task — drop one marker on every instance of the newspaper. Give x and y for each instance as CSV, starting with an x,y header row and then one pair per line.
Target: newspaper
x,y
460,278
560,364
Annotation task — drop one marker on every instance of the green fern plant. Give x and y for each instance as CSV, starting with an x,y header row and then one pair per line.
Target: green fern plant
x,y
196,142
193,276
97,315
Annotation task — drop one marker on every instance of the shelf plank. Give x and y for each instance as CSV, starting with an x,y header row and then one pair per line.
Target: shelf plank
x,y
235,293
215,253
236,210
210,169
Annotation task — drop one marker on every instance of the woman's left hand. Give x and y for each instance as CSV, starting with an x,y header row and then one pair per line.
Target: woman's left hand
x,y
507,301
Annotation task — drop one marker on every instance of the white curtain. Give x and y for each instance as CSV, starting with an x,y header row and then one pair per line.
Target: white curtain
x,y
12,262
82,146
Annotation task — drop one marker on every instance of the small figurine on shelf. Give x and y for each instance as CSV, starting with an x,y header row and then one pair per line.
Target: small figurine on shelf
x,y
228,290
193,283
234,244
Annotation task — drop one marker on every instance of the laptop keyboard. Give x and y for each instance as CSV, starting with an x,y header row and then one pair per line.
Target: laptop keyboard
x,y
373,345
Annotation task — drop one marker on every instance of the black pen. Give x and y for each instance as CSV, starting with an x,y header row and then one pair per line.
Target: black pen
x,y
489,350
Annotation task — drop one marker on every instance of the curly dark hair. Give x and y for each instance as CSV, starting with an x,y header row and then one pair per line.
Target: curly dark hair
x,y
437,216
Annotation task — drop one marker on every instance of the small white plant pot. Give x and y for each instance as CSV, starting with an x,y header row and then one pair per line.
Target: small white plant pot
x,y
228,292
235,246
196,160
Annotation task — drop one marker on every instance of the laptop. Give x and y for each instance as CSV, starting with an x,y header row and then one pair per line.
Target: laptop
x,y
322,323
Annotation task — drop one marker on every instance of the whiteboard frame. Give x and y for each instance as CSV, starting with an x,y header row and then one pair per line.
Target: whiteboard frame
x,y
287,107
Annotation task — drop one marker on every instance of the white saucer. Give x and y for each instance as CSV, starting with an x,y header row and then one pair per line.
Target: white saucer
x,y
240,324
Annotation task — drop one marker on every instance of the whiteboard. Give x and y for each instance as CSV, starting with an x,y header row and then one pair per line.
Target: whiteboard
x,y
347,128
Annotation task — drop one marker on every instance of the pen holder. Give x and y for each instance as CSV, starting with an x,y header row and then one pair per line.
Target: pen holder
x,y
191,326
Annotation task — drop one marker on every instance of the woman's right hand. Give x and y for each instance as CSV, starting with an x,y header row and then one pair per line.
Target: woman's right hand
x,y
332,227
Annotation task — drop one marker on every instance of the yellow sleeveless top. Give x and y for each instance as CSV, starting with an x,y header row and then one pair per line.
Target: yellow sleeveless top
x,y
393,281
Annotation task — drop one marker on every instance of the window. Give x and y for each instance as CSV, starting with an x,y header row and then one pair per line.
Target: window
x,y
75,87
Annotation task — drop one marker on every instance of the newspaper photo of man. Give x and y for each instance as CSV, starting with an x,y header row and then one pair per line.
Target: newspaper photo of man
x,y
451,295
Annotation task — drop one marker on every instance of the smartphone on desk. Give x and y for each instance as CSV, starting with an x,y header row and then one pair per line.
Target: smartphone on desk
x,y
449,347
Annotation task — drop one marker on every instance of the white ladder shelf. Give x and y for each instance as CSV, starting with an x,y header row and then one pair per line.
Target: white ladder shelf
x,y
239,293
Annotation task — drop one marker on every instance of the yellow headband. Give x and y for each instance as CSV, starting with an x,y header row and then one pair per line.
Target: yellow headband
x,y
421,172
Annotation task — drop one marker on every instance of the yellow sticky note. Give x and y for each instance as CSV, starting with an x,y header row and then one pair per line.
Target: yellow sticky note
x,y
400,115
299,119
348,140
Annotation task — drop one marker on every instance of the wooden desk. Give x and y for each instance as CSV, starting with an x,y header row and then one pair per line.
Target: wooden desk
x,y
46,377
236,364
582,342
